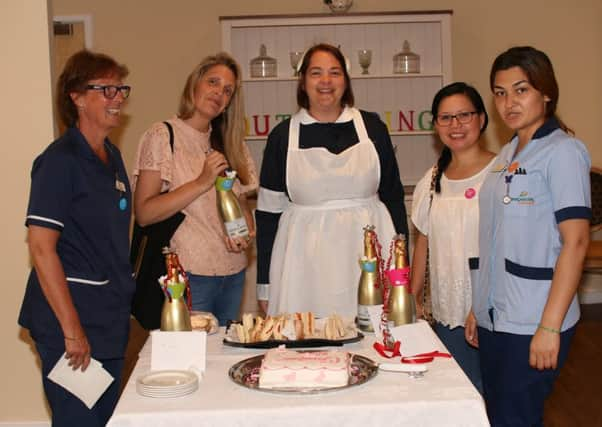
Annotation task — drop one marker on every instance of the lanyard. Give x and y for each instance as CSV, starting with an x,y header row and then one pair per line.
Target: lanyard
x,y
119,184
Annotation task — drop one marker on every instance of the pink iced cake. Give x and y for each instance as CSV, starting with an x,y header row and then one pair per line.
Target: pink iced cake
x,y
283,368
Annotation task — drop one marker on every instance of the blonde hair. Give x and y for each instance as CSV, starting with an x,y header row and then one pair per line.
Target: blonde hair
x,y
228,128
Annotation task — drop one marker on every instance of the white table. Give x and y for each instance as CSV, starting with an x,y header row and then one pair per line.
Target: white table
x,y
443,397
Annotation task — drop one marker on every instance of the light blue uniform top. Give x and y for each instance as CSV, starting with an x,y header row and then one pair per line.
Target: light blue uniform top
x,y
522,201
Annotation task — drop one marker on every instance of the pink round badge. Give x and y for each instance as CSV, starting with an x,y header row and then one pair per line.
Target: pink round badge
x,y
470,193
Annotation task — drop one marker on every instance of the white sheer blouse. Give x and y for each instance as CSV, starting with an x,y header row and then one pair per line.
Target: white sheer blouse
x,y
452,228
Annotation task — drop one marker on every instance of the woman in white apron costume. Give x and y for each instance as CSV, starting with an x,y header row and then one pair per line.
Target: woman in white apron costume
x,y
327,172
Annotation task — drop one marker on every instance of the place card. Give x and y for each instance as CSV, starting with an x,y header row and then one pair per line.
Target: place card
x,y
88,385
178,350
375,312
416,338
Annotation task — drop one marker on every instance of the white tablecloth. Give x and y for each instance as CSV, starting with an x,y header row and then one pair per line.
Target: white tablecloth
x,y
443,397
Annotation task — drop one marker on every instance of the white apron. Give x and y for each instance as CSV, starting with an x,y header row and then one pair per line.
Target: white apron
x,y
314,265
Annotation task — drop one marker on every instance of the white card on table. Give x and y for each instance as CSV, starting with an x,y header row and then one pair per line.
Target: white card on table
x,y
375,312
416,338
178,350
87,386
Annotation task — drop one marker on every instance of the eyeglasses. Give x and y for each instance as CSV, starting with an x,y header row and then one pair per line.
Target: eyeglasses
x,y
110,91
462,117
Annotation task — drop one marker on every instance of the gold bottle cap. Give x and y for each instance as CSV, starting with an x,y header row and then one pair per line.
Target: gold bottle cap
x,y
400,252
369,250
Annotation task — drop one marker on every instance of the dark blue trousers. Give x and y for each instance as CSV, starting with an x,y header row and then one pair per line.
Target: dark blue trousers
x,y
68,410
514,392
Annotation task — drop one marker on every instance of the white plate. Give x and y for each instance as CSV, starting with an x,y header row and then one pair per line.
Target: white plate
x,y
165,387
168,379
166,393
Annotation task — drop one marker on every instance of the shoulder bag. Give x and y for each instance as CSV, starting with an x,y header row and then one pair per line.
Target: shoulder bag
x,y
146,256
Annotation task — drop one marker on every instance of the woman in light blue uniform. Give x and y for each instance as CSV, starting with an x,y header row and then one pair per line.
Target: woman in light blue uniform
x,y
78,296
534,232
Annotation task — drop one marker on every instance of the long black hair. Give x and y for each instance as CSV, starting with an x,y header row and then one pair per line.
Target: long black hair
x,y
458,88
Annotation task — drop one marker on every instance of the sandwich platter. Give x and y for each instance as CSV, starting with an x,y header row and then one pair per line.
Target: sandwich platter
x,y
303,343
298,330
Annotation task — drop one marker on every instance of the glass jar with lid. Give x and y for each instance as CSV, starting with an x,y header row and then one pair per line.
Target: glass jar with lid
x,y
406,61
263,65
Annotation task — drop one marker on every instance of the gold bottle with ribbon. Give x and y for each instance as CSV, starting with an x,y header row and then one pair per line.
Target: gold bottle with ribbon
x,y
400,305
369,291
175,315
228,206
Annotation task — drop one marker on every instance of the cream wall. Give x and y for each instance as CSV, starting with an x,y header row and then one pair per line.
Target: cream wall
x,y
161,41
26,123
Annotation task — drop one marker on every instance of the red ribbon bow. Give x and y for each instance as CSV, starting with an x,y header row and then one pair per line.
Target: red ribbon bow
x,y
390,353
384,351
424,357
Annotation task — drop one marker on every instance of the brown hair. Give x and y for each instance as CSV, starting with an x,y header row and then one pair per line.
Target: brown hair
x,y
228,128
538,68
302,99
80,68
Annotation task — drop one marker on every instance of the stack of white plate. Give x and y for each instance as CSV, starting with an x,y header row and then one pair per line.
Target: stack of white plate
x,y
167,383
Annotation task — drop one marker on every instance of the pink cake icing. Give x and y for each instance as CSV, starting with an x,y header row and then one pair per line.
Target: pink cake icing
x,y
292,369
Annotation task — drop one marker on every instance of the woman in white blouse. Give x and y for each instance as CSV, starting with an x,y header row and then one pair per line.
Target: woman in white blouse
x,y
445,212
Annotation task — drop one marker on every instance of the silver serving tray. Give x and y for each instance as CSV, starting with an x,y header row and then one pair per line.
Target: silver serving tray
x,y
246,374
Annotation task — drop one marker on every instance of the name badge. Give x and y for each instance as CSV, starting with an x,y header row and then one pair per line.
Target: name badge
x,y
120,186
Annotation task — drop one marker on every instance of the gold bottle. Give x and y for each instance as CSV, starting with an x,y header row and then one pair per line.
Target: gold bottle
x,y
369,291
229,207
174,314
401,306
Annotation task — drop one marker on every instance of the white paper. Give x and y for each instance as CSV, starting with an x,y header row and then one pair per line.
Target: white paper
x,y
375,312
416,338
178,350
88,386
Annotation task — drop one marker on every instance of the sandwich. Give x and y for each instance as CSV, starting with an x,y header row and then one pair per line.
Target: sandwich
x,y
308,324
266,331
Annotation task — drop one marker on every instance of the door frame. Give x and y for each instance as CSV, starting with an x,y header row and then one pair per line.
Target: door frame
x,y
85,19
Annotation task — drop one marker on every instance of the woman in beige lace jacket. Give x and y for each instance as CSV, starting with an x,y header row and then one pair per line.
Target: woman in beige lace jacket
x,y
208,138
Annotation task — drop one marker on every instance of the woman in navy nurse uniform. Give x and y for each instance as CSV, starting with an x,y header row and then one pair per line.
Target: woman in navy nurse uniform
x,y
78,295
326,173
534,232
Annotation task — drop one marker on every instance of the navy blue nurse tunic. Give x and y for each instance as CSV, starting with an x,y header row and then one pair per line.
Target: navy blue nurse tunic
x,y
89,204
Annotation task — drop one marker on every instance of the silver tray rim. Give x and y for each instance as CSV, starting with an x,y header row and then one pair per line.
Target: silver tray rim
x,y
362,362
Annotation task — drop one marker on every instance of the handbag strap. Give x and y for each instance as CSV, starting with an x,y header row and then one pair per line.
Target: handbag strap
x,y
426,289
170,129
